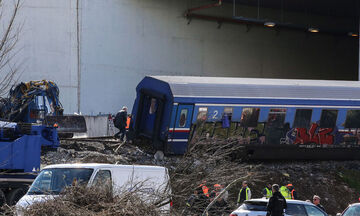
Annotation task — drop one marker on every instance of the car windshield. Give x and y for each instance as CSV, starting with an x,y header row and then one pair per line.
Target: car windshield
x,y
254,206
53,181
352,211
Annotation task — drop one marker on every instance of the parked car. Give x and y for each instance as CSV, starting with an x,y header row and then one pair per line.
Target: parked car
x,y
257,207
54,178
351,210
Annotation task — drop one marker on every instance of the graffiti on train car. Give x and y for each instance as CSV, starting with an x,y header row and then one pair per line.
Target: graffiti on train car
x,y
315,135
273,129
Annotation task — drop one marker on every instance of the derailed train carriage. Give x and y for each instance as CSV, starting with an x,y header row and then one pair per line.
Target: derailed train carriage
x,y
272,118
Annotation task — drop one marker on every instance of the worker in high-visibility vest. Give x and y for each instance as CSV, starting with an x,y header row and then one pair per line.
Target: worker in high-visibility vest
x,y
204,188
285,192
120,123
267,192
128,120
244,193
292,191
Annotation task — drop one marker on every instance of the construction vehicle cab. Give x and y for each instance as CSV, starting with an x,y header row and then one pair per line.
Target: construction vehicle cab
x,y
20,145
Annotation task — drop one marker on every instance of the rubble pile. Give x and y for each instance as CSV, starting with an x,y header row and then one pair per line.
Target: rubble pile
x,y
100,151
215,161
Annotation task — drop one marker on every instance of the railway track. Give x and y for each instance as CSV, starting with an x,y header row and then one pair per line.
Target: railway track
x,y
103,139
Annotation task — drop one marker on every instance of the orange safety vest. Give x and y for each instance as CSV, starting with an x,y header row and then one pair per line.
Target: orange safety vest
x,y
292,194
128,122
205,190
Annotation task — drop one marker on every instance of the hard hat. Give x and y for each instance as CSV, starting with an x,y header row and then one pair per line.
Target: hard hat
x,y
217,185
289,185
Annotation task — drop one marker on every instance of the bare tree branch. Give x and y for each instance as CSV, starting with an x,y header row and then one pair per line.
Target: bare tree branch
x,y
9,38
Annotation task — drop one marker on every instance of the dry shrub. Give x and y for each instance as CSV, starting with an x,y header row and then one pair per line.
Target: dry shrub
x,y
7,210
81,200
218,162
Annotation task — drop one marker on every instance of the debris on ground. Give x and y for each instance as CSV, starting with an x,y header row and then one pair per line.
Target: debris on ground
x,y
216,161
93,201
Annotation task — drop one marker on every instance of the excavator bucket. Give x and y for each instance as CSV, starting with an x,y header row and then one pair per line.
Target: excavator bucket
x,y
67,123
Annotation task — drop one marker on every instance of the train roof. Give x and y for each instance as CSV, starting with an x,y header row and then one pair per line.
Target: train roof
x,y
227,87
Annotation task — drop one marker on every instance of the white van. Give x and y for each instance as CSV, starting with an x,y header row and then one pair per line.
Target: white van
x,y
54,178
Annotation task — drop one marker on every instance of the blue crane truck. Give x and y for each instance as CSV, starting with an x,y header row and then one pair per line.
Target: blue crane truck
x,y
20,150
31,118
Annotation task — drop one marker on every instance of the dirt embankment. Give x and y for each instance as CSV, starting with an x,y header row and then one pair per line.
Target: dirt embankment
x,y
336,182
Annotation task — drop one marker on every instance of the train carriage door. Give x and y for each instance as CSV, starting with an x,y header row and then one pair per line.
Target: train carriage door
x,y
181,130
151,108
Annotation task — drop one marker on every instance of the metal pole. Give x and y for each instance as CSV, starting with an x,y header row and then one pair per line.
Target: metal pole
x,y
282,11
234,8
78,56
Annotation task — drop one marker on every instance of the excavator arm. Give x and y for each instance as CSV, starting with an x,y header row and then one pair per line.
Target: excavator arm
x,y
27,103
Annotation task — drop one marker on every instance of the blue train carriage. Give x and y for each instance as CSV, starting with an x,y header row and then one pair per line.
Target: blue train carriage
x,y
271,118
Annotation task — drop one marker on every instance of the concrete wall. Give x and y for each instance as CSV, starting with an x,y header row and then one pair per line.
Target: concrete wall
x,y
98,126
136,38
47,46
121,41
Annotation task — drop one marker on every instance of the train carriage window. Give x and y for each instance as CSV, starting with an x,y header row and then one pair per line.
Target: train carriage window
x,y
276,118
275,127
153,106
249,117
227,115
202,114
183,117
352,119
328,118
202,127
222,128
302,118
228,110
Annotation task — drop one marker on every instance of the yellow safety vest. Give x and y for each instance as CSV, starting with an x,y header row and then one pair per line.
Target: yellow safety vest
x,y
285,192
246,192
268,192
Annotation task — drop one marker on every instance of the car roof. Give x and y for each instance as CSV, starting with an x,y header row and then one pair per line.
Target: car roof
x,y
287,201
354,204
100,165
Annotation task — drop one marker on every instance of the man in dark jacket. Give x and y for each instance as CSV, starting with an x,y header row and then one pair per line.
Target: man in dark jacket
x,y
316,201
120,123
277,203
